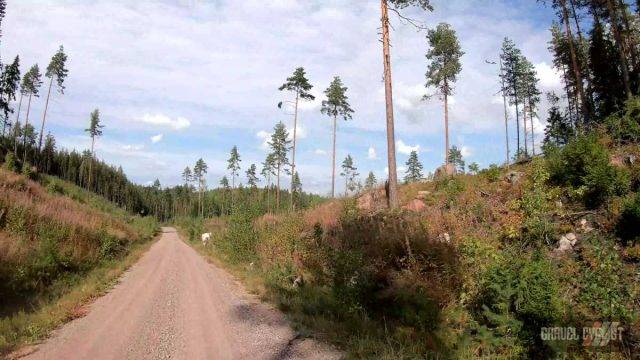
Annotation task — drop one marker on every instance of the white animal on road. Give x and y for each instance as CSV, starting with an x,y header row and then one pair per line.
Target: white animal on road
x,y
205,238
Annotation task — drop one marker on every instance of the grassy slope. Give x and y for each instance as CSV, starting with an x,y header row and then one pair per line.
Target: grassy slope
x,y
60,246
367,275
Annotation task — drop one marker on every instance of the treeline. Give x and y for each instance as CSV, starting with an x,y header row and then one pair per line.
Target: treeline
x,y
595,46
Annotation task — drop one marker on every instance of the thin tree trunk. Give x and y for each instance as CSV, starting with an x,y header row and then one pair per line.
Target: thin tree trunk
x,y
24,135
506,115
517,122
627,26
93,141
613,14
533,138
44,115
574,59
446,125
524,128
333,160
278,190
293,153
581,39
391,141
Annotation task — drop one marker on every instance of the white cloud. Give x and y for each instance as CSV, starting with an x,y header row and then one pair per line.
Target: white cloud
x,y
372,153
549,76
157,138
132,147
178,123
466,151
406,149
320,152
265,137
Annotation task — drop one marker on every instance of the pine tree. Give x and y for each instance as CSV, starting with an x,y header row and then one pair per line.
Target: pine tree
x,y
300,86
455,158
531,97
56,69
31,83
9,82
268,170
559,129
388,90
511,58
233,164
199,172
349,171
252,178
297,185
94,130
445,54
279,150
187,177
474,168
608,90
414,169
371,181
336,104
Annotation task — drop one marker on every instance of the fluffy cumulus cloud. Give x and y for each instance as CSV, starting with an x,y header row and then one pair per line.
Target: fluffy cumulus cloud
x,y
157,138
403,148
162,120
371,154
169,74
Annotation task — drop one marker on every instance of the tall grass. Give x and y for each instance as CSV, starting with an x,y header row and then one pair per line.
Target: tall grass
x,y
53,239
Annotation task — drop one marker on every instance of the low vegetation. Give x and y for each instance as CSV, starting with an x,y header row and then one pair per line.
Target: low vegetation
x,y
477,273
59,246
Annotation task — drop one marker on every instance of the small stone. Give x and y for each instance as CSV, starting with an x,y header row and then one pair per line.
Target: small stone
x,y
445,238
559,204
513,177
631,159
298,282
585,227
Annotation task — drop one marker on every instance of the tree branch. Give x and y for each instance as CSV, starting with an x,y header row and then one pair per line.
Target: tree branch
x,y
417,24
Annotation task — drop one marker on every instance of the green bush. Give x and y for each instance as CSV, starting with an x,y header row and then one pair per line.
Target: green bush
x,y
492,173
29,171
624,126
240,240
628,228
10,162
584,164
604,281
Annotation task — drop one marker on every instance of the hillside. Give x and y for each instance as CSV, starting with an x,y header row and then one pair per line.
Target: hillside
x,y
472,266
59,247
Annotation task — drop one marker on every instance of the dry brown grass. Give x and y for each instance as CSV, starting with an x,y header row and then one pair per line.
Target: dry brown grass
x,y
327,214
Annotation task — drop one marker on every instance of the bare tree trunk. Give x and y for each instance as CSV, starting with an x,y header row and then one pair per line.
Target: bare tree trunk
x,y
516,103
533,138
446,125
293,153
391,141
333,160
44,115
506,115
15,126
524,127
613,14
24,135
93,141
278,190
627,27
574,59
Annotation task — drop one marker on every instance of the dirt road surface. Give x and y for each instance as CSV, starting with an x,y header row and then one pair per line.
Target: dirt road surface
x,y
173,304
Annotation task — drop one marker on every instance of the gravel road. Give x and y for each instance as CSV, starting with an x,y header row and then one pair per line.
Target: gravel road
x,y
173,304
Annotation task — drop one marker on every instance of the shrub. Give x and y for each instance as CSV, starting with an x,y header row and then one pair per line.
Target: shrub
x,y
29,171
239,242
604,282
584,164
10,162
492,173
628,228
624,126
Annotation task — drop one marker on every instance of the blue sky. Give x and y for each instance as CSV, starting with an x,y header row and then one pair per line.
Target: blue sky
x,y
179,80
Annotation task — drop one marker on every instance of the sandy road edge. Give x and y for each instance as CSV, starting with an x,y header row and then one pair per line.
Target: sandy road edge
x,y
298,345
79,306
